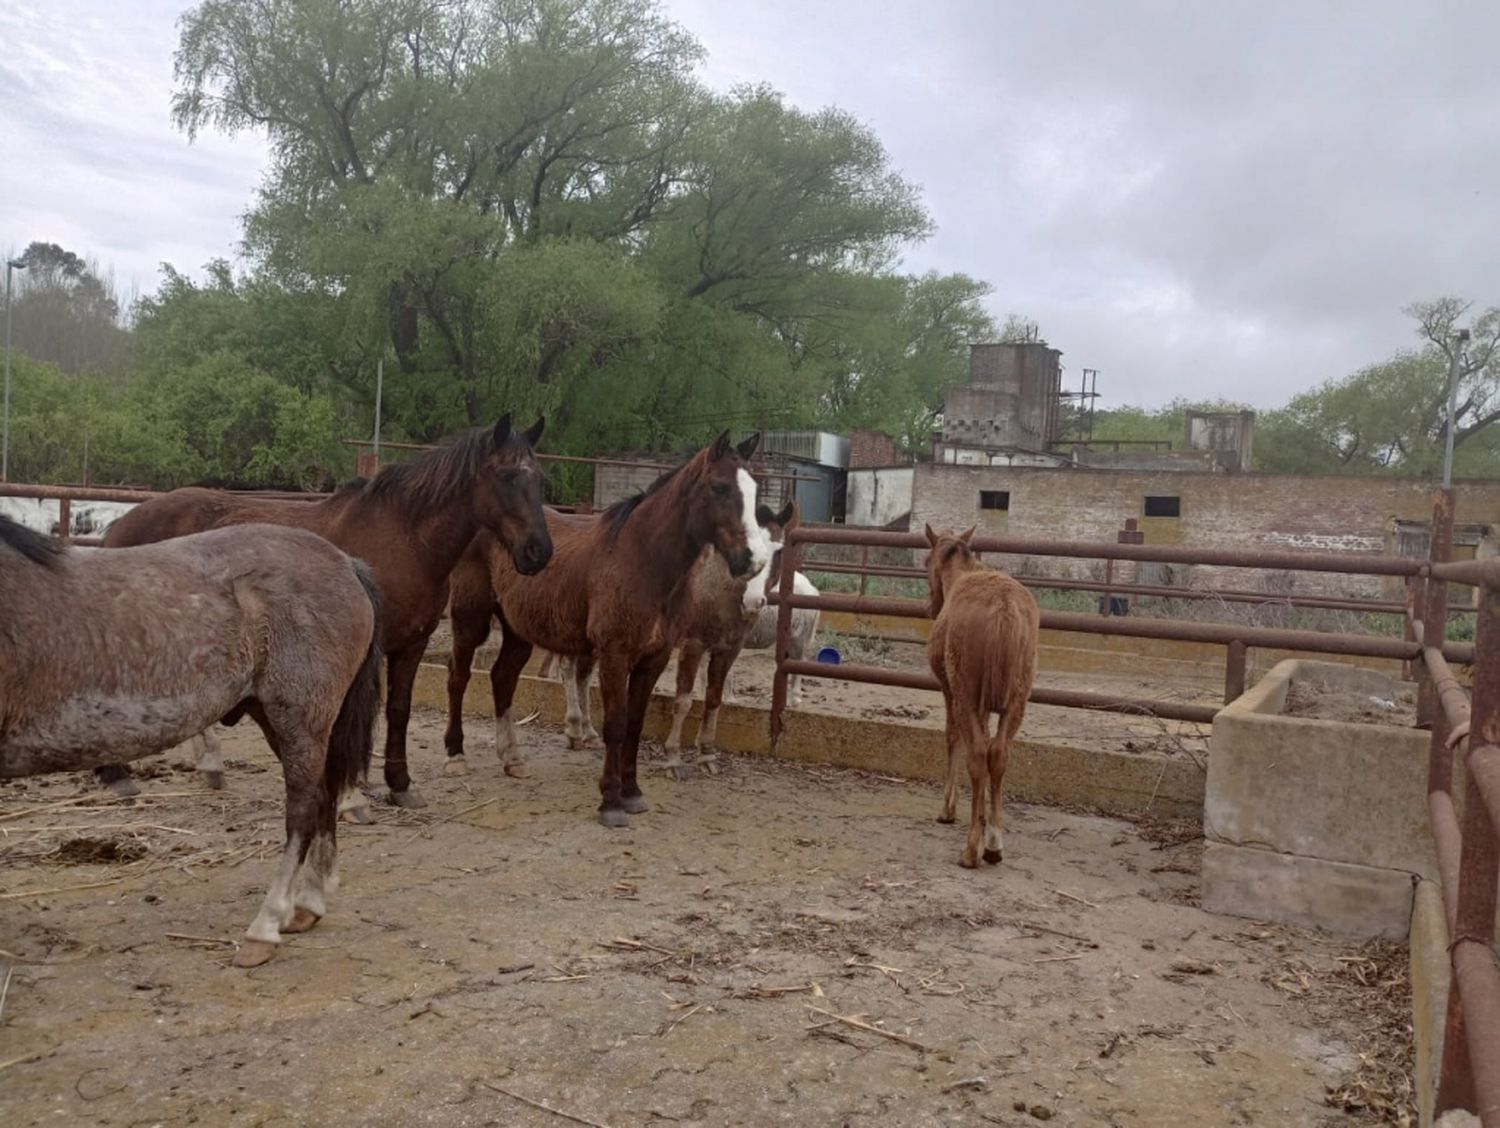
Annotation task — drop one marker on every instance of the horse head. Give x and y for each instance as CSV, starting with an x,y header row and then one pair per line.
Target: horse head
x,y
764,581
950,551
508,498
721,505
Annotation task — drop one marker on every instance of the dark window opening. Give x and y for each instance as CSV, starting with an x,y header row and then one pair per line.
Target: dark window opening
x,y
994,499
1163,507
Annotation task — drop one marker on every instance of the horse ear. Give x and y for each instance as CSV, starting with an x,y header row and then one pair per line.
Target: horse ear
x,y
720,447
763,515
502,430
747,448
785,517
534,435
932,538
968,534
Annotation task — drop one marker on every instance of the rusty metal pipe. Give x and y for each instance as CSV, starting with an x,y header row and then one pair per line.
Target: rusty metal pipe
x,y
1451,695
1447,845
1477,983
1351,563
1264,638
911,679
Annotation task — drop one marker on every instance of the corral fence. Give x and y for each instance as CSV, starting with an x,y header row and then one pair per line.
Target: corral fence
x,y
1466,853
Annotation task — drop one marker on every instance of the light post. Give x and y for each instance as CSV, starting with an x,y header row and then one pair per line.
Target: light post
x,y
11,266
1455,355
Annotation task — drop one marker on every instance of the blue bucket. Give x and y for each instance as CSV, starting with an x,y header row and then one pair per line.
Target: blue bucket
x,y
830,656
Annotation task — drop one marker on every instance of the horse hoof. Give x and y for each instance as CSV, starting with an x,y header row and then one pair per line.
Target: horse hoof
x,y
409,799
992,856
635,804
214,780
456,766
709,765
125,788
968,861
253,953
359,815
518,769
302,920
947,820
614,816
679,772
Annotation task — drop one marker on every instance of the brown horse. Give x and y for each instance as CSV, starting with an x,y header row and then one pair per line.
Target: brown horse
x,y
614,592
983,653
410,523
107,656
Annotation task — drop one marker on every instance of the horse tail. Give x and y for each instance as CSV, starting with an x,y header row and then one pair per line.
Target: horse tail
x,y
353,736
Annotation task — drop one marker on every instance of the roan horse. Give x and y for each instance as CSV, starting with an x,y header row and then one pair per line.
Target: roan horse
x,y
160,642
724,616
410,523
983,652
613,593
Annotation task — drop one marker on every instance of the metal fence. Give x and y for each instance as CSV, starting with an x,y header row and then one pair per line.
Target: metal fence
x,y
1466,852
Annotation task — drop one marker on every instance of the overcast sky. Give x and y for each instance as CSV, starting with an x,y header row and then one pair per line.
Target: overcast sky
x,y
1194,198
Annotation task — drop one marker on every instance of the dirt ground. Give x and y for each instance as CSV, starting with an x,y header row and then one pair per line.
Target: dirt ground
x,y
500,947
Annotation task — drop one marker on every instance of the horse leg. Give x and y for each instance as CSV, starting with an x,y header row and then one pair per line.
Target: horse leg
x,y
515,652
643,679
614,685
401,675
470,629
318,878
999,754
302,765
682,705
950,783
116,779
578,725
720,662
210,759
976,741
550,666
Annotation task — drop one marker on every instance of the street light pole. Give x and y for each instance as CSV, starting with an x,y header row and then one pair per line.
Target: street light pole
x,y
1455,355
11,266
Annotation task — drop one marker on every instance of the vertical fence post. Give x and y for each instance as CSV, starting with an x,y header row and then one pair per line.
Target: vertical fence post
x,y
64,518
791,560
1234,670
1415,594
1465,1038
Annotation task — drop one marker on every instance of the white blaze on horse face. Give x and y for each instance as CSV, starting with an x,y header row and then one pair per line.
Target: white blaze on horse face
x,y
758,538
755,591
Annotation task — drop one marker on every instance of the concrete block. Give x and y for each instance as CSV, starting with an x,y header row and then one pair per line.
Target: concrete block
x,y
1332,790
1340,897
1431,971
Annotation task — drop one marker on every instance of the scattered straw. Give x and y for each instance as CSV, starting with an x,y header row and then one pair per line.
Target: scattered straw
x,y
574,1117
868,1029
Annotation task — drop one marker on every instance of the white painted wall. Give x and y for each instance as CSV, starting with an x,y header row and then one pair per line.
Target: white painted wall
x,y
876,497
90,518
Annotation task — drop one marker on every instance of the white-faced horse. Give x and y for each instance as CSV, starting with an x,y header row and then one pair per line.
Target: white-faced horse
x,y
108,655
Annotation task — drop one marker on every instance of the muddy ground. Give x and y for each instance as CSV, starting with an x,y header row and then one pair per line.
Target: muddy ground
x,y
687,970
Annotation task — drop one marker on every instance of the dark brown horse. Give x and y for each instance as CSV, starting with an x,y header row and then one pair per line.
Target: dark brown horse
x,y
411,523
107,656
613,593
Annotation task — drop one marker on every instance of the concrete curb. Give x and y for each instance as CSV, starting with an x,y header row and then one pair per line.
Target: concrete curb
x,y
1430,972
1114,783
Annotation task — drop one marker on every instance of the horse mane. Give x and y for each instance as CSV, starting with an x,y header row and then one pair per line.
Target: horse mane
x,y
32,545
429,480
617,514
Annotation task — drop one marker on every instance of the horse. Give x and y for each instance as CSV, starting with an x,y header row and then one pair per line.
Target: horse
x,y
724,616
613,593
161,641
411,522
983,653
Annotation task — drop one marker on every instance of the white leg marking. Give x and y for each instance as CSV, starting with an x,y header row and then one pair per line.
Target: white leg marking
x,y
209,755
276,909
708,731
505,737
313,880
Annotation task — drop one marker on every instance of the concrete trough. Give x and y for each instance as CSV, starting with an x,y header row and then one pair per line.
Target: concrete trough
x,y
1314,822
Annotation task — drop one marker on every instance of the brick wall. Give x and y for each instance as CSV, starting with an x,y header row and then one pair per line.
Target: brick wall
x,y
872,448
1267,511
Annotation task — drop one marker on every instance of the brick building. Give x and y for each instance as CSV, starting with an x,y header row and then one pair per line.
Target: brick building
x,y
1207,509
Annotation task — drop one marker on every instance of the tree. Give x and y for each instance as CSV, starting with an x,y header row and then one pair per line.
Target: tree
x,y
64,313
1392,417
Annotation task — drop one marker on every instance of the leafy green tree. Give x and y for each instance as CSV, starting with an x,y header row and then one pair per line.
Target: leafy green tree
x,y
64,312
